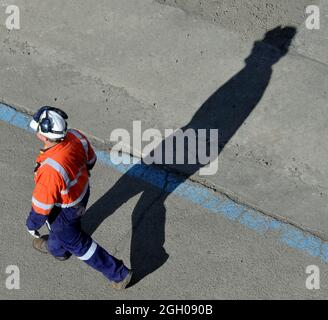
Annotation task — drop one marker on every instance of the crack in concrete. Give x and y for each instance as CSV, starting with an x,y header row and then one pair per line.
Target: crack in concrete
x,y
247,203
295,53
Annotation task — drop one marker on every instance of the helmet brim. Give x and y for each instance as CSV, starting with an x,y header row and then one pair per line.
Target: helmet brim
x,y
34,125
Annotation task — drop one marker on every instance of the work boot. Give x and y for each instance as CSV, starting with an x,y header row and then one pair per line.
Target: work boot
x,y
40,244
122,284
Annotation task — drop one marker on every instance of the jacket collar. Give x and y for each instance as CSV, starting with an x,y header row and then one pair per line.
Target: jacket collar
x,y
47,153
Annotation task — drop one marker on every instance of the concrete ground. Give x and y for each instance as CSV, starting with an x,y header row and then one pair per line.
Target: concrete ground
x,y
181,250
123,60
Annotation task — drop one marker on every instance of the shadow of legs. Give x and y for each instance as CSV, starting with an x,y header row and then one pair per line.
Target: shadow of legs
x,y
148,237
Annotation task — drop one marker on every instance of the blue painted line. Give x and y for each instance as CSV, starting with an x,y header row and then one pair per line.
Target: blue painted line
x,y
6,113
251,219
21,121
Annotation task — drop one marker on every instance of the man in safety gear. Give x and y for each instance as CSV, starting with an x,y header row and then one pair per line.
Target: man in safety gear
x,y
61,195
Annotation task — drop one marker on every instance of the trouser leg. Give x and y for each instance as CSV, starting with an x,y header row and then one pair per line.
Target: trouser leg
x,y
55,246
70,237
99,259
81,245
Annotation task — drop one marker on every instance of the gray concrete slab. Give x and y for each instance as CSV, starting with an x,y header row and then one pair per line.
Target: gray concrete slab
x,y
249,18
115,62
181,250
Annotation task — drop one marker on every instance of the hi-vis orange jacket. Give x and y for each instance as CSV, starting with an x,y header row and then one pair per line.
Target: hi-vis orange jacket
x,y
62,173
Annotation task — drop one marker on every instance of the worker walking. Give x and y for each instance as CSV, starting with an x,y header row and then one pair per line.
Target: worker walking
x,y
61,195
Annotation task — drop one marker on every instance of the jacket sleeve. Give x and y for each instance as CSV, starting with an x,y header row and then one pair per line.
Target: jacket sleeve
x,y
35,220
91,157
45,195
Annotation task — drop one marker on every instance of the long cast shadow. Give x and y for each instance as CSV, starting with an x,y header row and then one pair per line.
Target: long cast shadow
x,y
226,110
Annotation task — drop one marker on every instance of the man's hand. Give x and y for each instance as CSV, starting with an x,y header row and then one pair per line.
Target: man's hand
x,y
34,233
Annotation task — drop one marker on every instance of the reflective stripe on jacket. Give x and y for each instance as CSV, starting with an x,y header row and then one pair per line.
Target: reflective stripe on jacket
x,y
62,177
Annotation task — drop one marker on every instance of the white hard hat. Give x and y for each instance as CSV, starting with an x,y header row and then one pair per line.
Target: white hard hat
x,y
50,122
